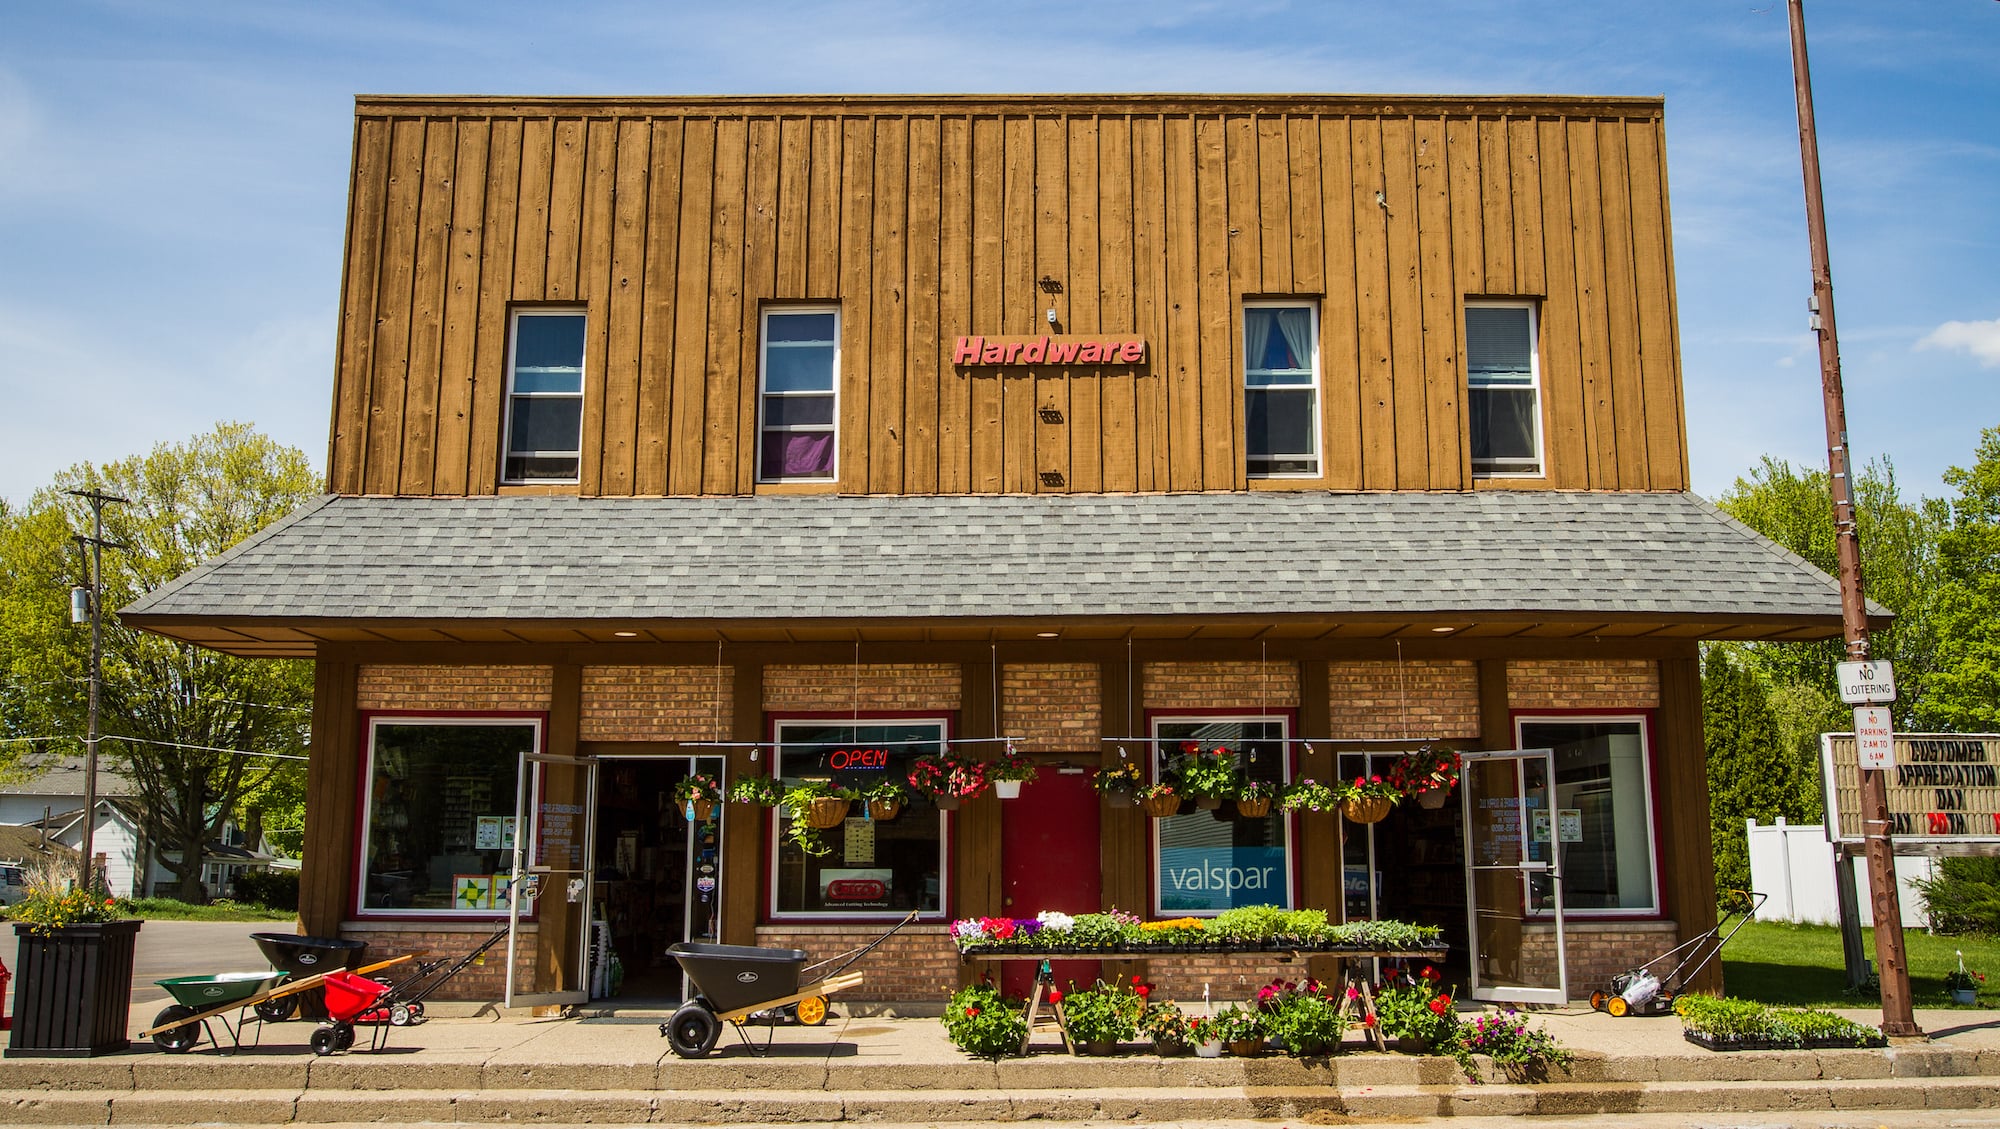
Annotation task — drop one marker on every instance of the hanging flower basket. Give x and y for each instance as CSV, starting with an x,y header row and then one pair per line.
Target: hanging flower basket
x,y
884,810
1254,809
1162,806
827,812
1121,798
1007,789
945,803
1366,809
704,810
1433,799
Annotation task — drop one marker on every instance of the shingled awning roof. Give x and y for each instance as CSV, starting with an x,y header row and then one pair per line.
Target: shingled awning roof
x,y
1278,564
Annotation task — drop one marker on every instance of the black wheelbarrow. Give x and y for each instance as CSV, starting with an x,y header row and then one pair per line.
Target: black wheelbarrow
x,y
733,983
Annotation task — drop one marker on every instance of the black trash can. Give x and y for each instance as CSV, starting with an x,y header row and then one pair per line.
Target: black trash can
x,y
303,956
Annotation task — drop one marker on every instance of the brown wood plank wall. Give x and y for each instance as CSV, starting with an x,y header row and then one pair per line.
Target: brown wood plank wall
x,y
332,791
674,224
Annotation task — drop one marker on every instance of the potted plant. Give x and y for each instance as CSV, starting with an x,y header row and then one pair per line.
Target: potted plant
x,y
813,807
1170,1028
1159,799
1119,783
1523,1053
1307,794
1963,985
1253,799
1367,799
1241,1030
1206,1035
1206,776
1427,774
764,791
696,796
1417,1016
980,1021
886,798
1009,773
73,986
1305,1017
948,780
1101,1016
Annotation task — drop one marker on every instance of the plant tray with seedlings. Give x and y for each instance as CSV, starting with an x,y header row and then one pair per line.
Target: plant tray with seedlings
x,y
1246,929
1724,1024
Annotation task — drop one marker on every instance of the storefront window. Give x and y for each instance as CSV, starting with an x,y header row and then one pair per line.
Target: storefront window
x,y
439,838
1604,807
872,868
1209,861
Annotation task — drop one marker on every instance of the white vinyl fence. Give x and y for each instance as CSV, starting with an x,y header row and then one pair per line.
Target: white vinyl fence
x,y
1793,863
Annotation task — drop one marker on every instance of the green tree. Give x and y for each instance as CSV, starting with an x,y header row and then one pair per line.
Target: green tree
x,y
1899,569
194,730
1751,774
1964,691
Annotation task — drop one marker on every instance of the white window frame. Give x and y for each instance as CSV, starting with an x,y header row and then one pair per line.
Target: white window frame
x,y
533,723
765,395
507,451
1168,747
1513,467
1644,724
775,840
1311,385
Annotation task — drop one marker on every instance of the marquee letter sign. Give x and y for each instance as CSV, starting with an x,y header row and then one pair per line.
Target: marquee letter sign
x,y
1943,787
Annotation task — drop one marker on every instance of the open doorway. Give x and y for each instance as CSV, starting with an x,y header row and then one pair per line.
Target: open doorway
x,y
658,880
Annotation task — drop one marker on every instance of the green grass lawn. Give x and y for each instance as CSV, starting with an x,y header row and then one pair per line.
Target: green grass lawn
x,y
167,909
1779,963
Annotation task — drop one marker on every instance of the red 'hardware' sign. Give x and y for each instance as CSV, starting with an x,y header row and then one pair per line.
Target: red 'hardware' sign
x,y
1047,350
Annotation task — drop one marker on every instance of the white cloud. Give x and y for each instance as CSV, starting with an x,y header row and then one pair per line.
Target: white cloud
x,y
1981,339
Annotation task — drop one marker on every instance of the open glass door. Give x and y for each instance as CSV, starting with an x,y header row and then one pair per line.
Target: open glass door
x,y
550,879
1513,891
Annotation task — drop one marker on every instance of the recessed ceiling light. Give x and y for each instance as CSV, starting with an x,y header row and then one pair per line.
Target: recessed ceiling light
x,y
1047,634
1444,630
626,634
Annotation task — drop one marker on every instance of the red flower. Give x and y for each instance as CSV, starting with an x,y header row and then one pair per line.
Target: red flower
x,y
1055,995
971,1011
1135,980
1439,1004
1430,973
1369,1020
1143,991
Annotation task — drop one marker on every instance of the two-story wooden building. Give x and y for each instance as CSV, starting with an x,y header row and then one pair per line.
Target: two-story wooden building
x,y
744,434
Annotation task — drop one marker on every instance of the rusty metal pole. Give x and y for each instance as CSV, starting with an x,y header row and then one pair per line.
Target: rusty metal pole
x,y
1892,965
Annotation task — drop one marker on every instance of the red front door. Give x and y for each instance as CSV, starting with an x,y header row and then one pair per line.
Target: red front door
x,y
1049,861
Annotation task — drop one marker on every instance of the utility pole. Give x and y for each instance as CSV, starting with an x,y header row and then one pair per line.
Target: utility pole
x,y
95,544
1891,962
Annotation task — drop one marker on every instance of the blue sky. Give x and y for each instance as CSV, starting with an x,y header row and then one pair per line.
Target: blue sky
x,y
173,176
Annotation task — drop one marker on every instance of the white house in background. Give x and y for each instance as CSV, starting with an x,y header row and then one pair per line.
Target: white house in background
x,y
52,801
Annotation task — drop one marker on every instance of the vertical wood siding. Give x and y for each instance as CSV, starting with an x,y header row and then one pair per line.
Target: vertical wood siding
x,y
675,224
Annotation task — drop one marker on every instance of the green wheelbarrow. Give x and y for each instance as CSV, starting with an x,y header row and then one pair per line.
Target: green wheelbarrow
x,y
197,999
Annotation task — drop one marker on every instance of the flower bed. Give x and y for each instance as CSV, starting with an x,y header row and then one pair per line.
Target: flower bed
x,y
1247,929
1724,1024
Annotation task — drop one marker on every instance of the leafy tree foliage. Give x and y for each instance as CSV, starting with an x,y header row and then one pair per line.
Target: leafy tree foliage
x,y
179,720
1751,771
1965,688
1899,570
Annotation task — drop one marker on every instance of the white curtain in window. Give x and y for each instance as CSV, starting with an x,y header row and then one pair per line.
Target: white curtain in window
x,y
1296,322
1256,337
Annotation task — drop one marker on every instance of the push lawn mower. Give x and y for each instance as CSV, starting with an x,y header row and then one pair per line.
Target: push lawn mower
x,y
1641,991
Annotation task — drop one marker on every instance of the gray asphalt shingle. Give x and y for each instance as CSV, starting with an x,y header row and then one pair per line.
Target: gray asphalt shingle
x,y
848,557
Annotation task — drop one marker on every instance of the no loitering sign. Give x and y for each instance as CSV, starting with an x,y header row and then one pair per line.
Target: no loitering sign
x,y
1868,683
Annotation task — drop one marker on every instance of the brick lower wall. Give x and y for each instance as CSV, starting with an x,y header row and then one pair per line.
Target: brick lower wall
x,y
1228,979
656,703
1570,684
877,687
1229,685
382,687
917,965
1596,953
1052,707
485,981
1417,700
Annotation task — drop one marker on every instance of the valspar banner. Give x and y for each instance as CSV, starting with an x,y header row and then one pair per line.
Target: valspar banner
x,y
1945,787
1216,878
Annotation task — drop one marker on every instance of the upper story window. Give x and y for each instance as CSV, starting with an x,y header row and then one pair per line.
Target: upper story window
x,y
545,397
1281,388
798,399
1503,386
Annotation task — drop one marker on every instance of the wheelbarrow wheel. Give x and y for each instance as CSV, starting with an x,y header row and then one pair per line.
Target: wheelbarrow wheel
x,y
812,1011
325,1041
693,1030
181,1039
278,1010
